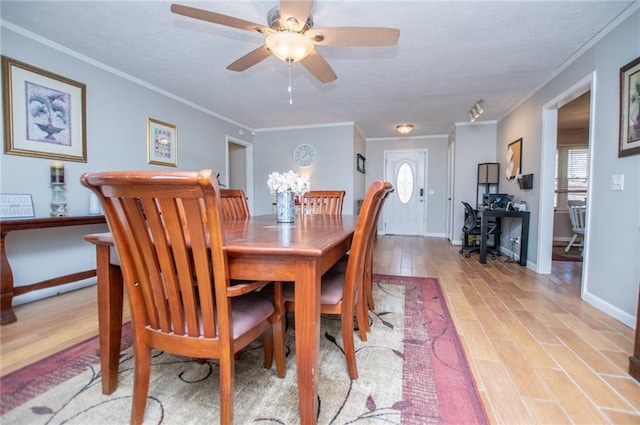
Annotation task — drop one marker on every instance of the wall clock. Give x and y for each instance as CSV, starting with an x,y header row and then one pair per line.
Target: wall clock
x,y
304,155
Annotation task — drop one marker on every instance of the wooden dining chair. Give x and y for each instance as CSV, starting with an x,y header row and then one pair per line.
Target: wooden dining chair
x,y
167,229
368,271
234,203
341,290
323,202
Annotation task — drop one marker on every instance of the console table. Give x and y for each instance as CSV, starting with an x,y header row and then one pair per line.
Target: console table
x,y
7,290
486,214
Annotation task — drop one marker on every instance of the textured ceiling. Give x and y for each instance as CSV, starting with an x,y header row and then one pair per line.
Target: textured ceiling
x,y
450,55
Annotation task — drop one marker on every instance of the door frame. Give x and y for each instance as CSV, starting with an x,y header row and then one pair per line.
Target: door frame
x,y
248,166
547,173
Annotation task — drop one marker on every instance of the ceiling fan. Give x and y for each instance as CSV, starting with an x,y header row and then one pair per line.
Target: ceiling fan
x,y
290,36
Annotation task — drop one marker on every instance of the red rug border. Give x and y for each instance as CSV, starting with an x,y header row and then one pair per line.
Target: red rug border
x,y
86,354
448,415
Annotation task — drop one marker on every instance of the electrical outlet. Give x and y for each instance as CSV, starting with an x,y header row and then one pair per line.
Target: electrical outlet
x,y
515,241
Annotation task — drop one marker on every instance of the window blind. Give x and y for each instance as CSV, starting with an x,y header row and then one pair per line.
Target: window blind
x,y
572,174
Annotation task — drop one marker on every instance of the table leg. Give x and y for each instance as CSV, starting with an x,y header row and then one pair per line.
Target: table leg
x,y
307,334
110,299
524,239
484,225
6,286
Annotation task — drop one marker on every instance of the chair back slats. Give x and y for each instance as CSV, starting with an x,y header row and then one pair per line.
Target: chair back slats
x,y
234,204
362,238
577,214
161,231
323,202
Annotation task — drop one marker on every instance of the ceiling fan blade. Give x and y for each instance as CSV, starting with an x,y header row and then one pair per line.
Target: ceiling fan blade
x,y
217,18
319,67
354,36
250,59
298,9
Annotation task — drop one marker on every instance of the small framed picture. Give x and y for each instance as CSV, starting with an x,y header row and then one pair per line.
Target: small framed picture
x,y
360,163
44,113
162,143
16,205
630,109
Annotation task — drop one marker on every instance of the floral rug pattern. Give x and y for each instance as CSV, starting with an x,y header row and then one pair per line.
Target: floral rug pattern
x,y
411,371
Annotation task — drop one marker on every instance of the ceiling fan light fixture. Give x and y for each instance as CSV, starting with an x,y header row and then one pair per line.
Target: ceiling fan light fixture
x,y
404,128
289,46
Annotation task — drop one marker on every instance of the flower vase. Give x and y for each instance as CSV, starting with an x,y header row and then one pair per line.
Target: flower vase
x,y
285,207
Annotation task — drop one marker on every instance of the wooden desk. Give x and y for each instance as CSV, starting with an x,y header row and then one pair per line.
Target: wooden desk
x,y
486,215
257,248
7,290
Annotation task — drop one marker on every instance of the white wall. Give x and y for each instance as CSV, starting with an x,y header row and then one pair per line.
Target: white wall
x,y
436,178
116,121
474,144
332,169
612,268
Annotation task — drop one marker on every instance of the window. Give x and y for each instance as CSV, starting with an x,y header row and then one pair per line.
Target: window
x,y
404,182
572,175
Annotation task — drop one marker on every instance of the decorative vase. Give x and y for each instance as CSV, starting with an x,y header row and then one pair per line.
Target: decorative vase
x,y
285,207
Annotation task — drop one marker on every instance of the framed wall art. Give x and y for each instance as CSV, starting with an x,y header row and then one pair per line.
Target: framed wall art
x,y
162,143
44,113
360,164
514,159
629,109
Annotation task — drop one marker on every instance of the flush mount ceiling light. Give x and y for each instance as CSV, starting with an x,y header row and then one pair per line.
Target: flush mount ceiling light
x,y
404,128
476,111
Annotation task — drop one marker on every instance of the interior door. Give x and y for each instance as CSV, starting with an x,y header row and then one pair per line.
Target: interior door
x,y
405,209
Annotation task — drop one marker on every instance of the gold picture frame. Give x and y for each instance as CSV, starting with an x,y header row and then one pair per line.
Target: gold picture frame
x,y
629,143
44,113
162,143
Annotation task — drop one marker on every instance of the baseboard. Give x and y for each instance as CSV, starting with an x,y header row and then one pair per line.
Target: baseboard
x,y
611,310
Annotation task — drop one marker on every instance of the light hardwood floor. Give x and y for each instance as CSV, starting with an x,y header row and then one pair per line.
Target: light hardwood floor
x,y
539,354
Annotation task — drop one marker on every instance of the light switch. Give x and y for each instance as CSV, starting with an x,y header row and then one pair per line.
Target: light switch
x,y
617,182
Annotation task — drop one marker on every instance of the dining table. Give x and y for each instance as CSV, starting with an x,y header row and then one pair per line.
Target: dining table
x,y
257,248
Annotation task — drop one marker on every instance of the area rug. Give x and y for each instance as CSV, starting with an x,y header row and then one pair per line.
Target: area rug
x,y
411,371
558,254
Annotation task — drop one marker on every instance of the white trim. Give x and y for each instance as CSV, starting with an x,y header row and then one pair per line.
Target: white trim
x,y
487,122
547,170
300,127
385,139
610,309
97,64
249,166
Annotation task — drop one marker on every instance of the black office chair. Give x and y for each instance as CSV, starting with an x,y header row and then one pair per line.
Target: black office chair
x,y
471,227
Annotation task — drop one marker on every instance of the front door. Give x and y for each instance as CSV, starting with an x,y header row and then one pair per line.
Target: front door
x,y
405,209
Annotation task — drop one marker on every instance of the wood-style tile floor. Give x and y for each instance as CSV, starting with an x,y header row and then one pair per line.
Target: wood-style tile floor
x,y
539,354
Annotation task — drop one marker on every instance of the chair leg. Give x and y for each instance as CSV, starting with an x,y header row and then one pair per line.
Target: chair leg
x,y
349,346
142,373
227,372
573,239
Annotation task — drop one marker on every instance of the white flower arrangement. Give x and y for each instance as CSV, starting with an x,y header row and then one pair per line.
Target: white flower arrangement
x,y
281,182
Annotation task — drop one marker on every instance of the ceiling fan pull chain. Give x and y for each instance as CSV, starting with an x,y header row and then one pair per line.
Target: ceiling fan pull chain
x,y
290,94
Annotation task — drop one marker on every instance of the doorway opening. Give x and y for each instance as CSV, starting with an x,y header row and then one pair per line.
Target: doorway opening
x,y
239,158
567,138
